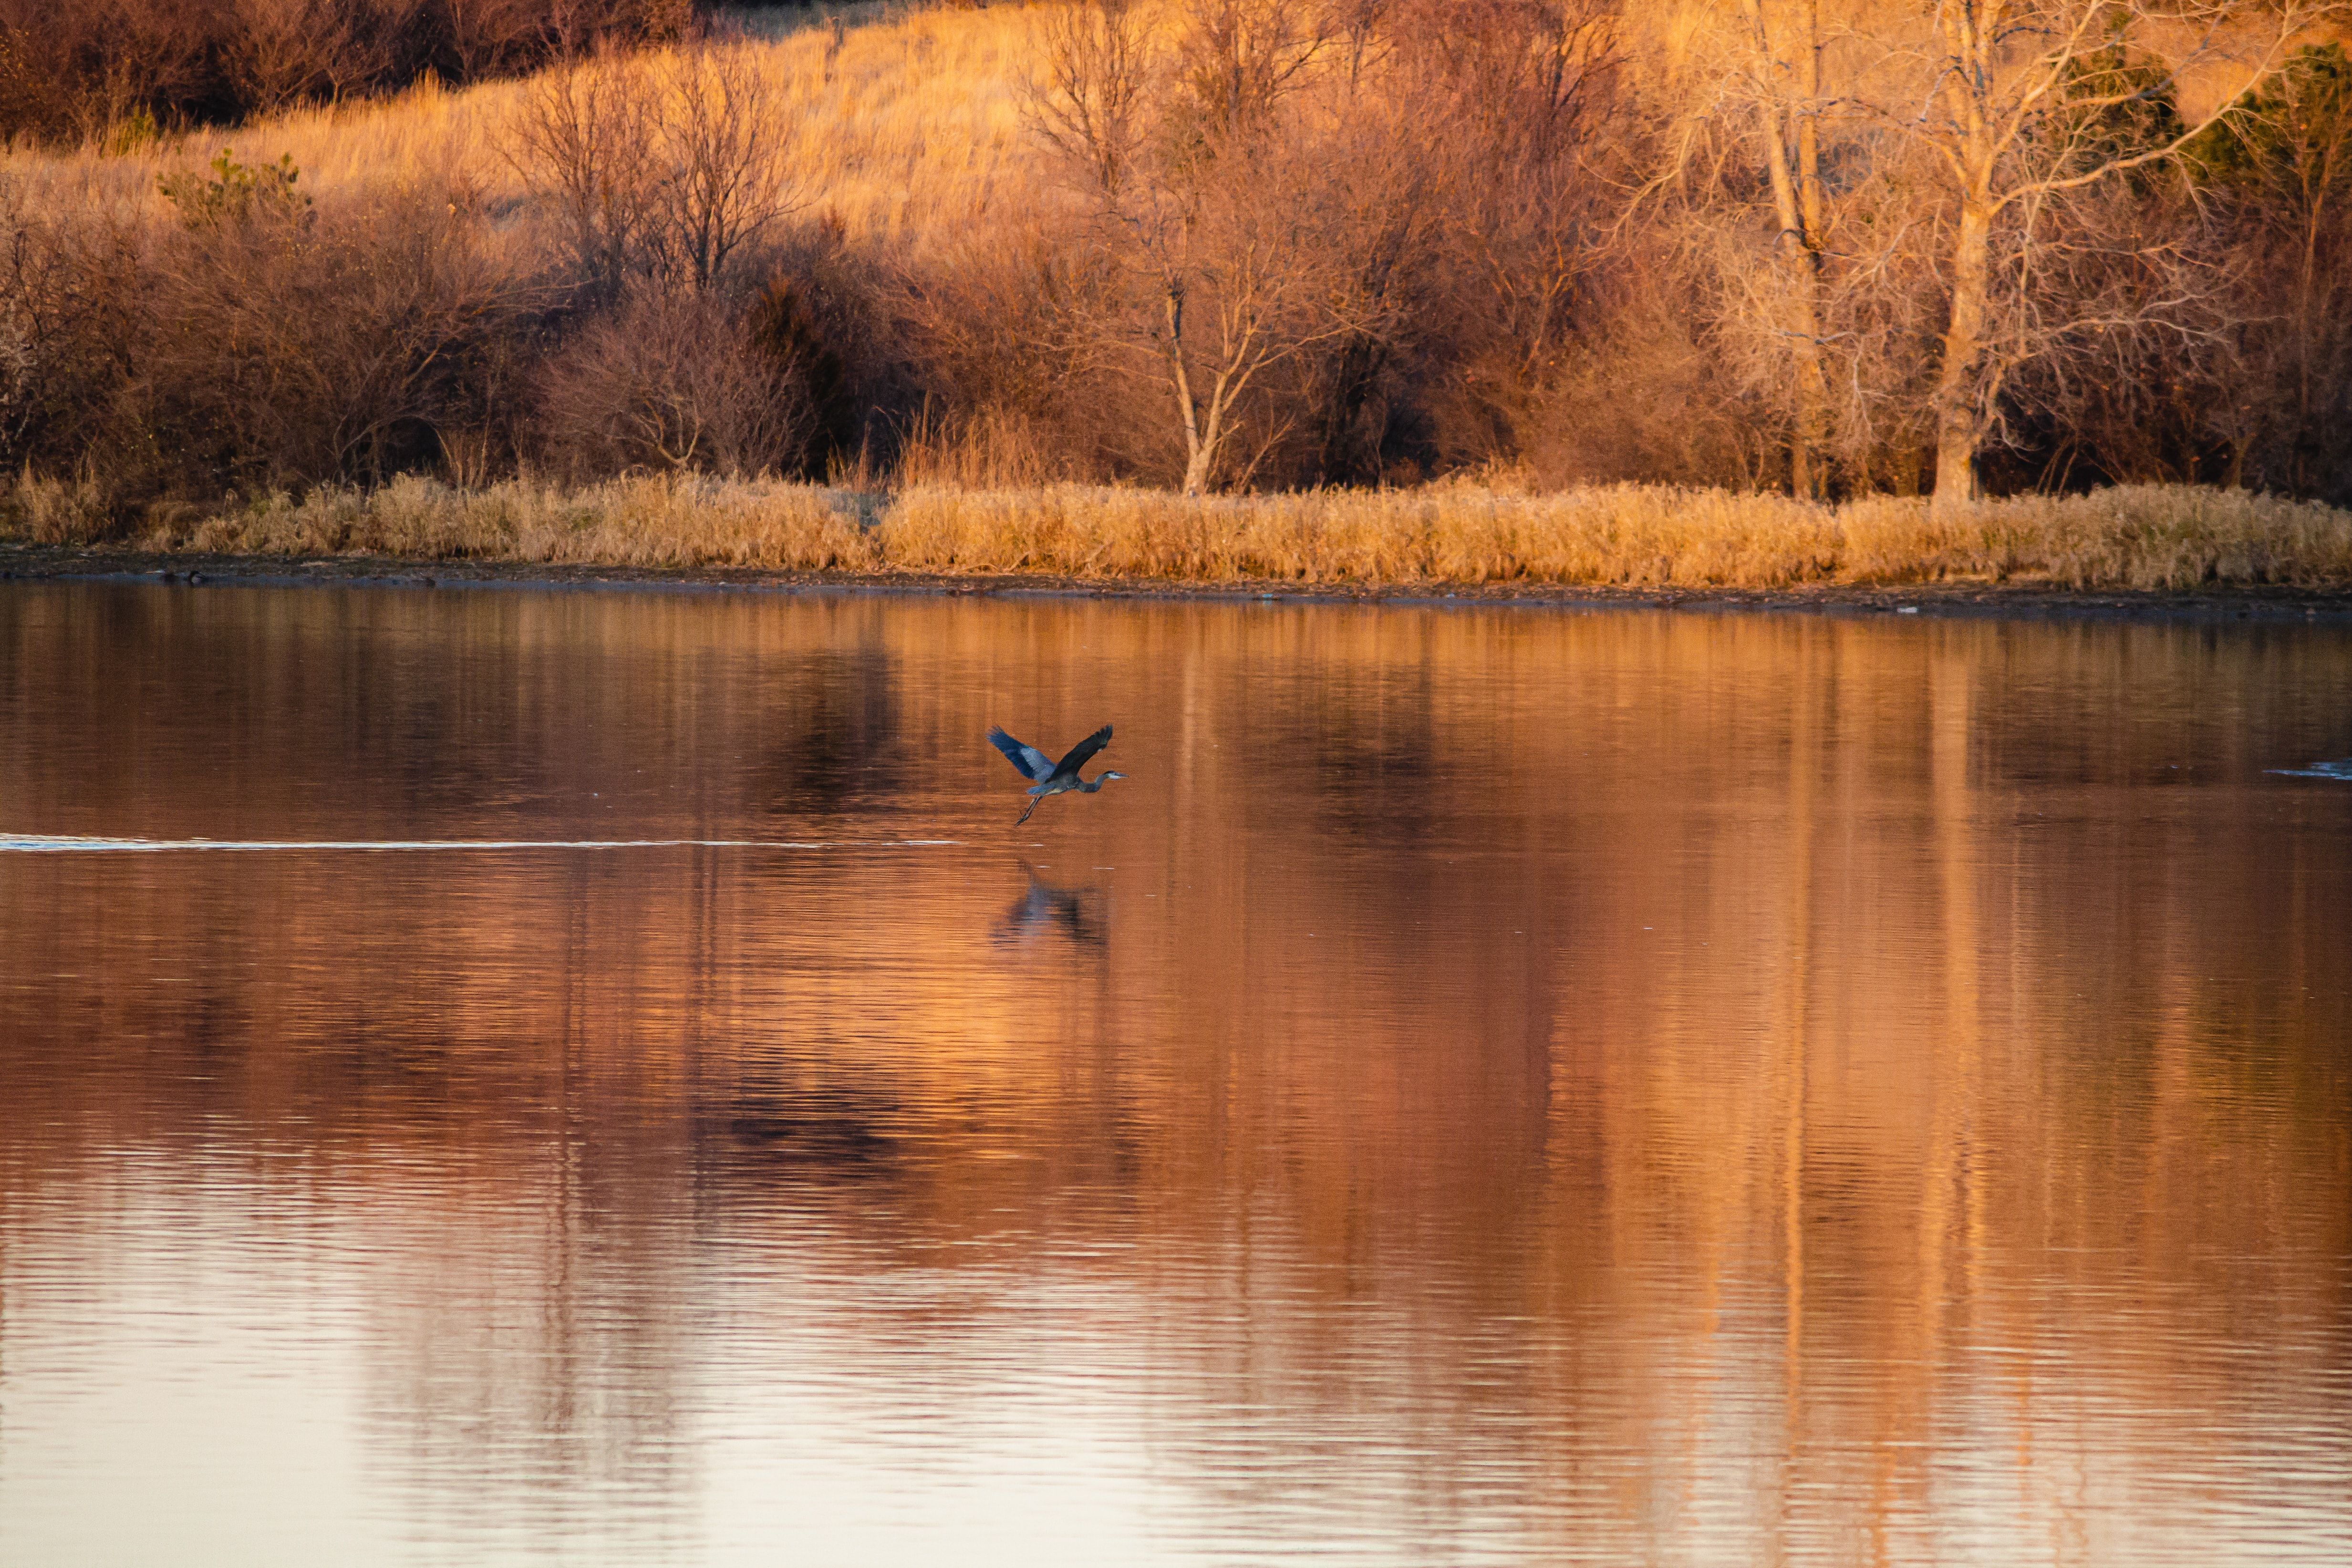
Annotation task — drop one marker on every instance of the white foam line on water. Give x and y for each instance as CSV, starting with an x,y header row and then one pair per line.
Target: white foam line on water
x,y
2341,772
40,844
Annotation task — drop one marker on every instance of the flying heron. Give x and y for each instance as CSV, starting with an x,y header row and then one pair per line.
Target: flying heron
x,y
1052,777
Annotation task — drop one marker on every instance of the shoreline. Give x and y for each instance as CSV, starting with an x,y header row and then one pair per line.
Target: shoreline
x,y
1959,598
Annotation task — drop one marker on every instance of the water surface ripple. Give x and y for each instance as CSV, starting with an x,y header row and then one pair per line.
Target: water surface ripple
x,y
1491,1086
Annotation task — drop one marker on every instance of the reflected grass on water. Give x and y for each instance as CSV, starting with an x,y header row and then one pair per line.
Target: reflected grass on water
x,y
1507,1086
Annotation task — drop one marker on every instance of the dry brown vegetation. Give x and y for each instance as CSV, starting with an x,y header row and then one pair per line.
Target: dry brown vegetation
x,y
118,71
1280,252
2140,537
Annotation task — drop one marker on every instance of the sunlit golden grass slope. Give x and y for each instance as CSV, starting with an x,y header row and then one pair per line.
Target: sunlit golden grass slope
x,y
909,129
912,131
2142,537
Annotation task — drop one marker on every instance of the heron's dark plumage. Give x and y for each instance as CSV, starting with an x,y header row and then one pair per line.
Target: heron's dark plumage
x,y
1052,777
1082,753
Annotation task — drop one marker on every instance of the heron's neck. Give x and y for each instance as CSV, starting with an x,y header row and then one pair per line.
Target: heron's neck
x,y
1088,786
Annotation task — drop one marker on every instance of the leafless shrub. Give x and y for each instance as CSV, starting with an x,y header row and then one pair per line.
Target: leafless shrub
x,y
279,52
670,167
1007,336
86,70
288,347
29,265
674,382
2275,183
1513,98
72,311
482,37
70,72
1648,402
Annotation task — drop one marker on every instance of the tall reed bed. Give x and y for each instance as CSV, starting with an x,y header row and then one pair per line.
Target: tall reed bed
x,y
2141,536
656,522
2138,537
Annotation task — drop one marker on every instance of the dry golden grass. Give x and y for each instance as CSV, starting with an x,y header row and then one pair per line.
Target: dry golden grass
x,y
2139,537
2136,536
2144,537
627,523
1443,533
910,133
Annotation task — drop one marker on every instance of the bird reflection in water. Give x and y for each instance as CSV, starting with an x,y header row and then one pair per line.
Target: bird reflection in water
x,y
1046,908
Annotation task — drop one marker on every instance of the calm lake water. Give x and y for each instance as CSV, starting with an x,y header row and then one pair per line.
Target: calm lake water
x,y
1494,1086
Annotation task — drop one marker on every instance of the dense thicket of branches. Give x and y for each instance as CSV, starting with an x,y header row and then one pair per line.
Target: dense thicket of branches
x,y
1283,243
91,68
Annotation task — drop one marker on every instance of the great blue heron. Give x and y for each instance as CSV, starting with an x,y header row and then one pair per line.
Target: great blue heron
x,y
1052,777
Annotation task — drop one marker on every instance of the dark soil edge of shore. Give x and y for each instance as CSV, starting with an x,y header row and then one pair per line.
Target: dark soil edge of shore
x,y
2013,600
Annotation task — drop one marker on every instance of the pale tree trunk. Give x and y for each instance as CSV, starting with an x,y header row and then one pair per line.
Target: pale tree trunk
x,y
1958,420
1800,262
1204,434
1813,381
1200,446
1797,201
1242,354
1971,28
1200,461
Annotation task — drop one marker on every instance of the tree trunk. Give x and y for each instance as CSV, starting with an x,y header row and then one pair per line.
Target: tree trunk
x,y
1201,465
1200,446
1797,196
1957,421
1813,381
1196,469
1805,476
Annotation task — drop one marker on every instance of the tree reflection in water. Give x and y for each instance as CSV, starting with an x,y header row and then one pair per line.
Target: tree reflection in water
x,y
1640,1086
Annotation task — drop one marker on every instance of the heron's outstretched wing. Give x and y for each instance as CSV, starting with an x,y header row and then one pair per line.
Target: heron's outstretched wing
x,y
1033,763
1083,751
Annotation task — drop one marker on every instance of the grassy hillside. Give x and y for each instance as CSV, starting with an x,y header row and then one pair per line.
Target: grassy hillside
x,y
905,126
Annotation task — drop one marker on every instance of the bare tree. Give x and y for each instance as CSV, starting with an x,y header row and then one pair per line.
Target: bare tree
x,y
2280,162
1506,100
723,176
1208,197
584,144
283,51
1236,59
1784,78
665,167
2011,108
1089,100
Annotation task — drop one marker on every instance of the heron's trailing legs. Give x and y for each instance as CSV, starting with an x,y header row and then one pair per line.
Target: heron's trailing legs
x,y
1051,778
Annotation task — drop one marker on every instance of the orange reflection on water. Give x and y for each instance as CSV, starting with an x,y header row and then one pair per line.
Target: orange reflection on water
x,y
1512,1086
